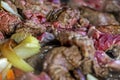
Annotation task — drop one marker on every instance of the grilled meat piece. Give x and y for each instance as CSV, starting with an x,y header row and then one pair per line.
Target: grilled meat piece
x,y
101,71
8,22
31,7
106,42
72,28
101,5
86,45
112,6
22,4
60,61
72,38
111,29
87,66
98,18
31,76
95,4
88,63
63,17
35,15
32,27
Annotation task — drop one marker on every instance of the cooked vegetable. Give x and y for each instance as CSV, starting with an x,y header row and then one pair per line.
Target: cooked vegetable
x,y
16,61
28,47
8,8
10,75
46,37
19,36
91,77
3,64
4,72
0,76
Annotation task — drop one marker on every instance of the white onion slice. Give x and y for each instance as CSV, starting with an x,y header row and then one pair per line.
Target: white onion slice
x,y
91,77
9,9
3,64
5,71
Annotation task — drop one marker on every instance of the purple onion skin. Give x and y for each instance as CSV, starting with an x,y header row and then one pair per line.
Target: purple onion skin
x,y
55,1
79,74
46,37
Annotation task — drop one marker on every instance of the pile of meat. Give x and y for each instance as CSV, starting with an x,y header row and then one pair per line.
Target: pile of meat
x,y
77,39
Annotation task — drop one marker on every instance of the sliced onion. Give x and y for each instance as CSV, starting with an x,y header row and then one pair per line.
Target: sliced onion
x,y
9,9
28,47
3,64
55,1
91,77
20,36
4,72
13,58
